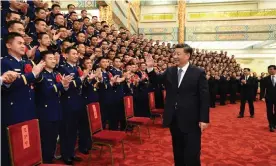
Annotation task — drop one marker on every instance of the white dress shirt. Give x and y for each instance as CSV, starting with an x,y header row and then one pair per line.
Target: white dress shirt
x,y
184,69
274,79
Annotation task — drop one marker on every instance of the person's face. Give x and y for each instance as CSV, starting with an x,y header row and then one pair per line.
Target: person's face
x,y
123,50
104,45
41,14
103,35
98,26
90,30
134,68
16,4
77,25
104,63
87,64
114,47
45,40
255,74
41,26
81,37
181,56
271,71
111,55
73,56
160,63
64,33
15,17
59,20
118,40
94,20
110,38
71,8
17,45
50,61
65,45
117,63
84,14
246,72
94,41
74,17
143,67
81,49
86,21
98,52
38,3
19,28
56,10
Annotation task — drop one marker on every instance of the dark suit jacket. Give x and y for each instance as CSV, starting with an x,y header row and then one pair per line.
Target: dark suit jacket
x,y
192,97
270,91
247,90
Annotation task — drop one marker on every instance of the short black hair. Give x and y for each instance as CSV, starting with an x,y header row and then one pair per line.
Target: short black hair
x,y
116,57
55,5
44,53
64,41
67,50
272,66
101,58
39,20
94,16
40,35
70,5
11,23
38,9
11,36
186,47
70,14
59,14
83,10
10,13
246,69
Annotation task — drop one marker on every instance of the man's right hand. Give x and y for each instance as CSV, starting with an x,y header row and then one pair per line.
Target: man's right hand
x,y
149,61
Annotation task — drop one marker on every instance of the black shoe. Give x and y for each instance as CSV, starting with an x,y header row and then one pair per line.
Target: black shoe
x,y
252,116
75,158
240,116
271,129
68,161
85,151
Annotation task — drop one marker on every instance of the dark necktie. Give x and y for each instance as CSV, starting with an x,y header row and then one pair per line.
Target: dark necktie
x,y
179,76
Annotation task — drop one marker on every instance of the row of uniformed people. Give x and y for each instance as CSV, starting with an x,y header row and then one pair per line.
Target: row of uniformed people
x,y
59,101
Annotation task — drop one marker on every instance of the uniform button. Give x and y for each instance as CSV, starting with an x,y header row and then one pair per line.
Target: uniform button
x,y
46,106
11,103
86,97
59,102
68,97
115,91
30,98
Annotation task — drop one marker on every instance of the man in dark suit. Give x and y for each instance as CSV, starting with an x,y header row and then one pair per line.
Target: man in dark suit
x,y
247,93
270,97
187,105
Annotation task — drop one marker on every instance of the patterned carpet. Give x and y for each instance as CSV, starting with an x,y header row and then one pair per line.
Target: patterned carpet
x,y
228,141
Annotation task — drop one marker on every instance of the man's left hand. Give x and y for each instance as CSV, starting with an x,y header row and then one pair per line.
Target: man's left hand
x,y
203,126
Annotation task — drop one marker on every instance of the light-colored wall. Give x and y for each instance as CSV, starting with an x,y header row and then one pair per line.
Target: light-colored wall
x,y
267,4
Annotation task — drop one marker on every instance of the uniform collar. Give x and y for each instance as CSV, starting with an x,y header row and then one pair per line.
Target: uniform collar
x,y
18,60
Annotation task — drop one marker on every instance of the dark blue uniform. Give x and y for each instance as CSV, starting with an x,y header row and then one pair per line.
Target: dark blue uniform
x,y
90,95
72,107
118,114
141,100
105,97
49,110
17,99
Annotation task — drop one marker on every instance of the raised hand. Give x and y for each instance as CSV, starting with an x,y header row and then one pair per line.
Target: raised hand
x,y
149,61
31,53
65,80
38,68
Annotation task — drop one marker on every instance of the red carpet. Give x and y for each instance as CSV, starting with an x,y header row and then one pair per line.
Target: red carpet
x,y
228,141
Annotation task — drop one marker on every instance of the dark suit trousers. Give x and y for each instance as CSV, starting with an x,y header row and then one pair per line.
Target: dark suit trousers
x,y
186,146
262,91
250,103
271,112
48,133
